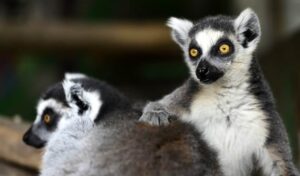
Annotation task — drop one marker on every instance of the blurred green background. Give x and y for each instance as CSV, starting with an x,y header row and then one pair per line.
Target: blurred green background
x,y
126,43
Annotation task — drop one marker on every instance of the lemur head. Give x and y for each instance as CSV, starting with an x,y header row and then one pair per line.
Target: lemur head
x,y
217,47
56,106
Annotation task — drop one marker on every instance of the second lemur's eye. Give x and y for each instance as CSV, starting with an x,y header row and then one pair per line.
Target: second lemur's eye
x,y
224,49
194,52
47,119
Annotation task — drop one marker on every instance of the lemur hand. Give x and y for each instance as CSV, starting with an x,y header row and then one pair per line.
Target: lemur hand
x,y
155,113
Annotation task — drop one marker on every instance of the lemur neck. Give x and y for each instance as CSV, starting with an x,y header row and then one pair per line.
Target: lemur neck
x,y
77,126
259,87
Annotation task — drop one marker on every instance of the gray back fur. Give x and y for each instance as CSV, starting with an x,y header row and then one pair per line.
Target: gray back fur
x,y
122,146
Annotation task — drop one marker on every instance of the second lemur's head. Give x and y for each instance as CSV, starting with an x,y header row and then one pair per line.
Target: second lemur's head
x,y
217,47
57,105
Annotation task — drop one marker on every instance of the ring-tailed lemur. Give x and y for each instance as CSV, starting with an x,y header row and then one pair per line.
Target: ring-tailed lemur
x,y
119,145
227,97
53,105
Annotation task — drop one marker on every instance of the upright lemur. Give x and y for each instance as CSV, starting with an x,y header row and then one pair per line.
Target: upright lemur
x,y
227,97
89,128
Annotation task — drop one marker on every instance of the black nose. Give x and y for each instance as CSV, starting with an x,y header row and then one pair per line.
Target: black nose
x,y
208,73
33,140
203,70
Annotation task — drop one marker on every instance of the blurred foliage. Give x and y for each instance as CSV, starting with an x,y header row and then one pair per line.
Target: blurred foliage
x,y
95,10
28,76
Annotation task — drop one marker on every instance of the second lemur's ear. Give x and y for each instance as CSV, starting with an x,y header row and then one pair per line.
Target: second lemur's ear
x,y
85,103
74,96
70,76
180,30
247,29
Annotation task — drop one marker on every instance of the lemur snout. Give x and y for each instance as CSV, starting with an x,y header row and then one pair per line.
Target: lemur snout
x,y
33,140
204,70
207,73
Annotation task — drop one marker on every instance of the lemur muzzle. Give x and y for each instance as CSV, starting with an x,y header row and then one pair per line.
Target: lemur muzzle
x,y
208,73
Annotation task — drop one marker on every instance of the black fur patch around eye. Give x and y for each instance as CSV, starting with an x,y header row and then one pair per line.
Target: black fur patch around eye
x,y
249,36
215,48
194,44
55,117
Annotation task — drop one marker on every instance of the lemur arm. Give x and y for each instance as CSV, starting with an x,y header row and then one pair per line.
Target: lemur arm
x,y
276,156
174,104
274,163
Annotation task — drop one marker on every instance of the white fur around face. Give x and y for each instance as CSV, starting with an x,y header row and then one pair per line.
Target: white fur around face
x,y
236,140
50,103
207,38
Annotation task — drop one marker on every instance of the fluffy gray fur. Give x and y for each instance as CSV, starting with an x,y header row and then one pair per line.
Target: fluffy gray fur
x,y
119,145
233,106
127,148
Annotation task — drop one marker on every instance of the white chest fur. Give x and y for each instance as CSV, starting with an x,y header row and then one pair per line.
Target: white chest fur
x,y
232,123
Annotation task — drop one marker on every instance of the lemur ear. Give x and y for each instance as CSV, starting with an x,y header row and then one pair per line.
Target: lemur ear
x,y
247,28
180,30
75,96
69,76
85,103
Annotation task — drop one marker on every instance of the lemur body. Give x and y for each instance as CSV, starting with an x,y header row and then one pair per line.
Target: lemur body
x,y
119,145
124,147
227,98
93,130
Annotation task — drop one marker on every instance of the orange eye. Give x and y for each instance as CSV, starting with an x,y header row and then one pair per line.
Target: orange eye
x,y
194,52
47,119
224,49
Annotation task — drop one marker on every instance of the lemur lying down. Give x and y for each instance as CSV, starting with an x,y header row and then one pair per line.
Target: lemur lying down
x,y
53,107
117,144
227,98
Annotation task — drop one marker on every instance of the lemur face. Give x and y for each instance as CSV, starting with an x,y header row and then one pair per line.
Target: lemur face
x,y
57,106
209,54
217,47
51,109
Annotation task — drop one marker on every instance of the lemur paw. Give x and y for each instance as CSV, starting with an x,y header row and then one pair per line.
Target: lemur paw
x,y
155,114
